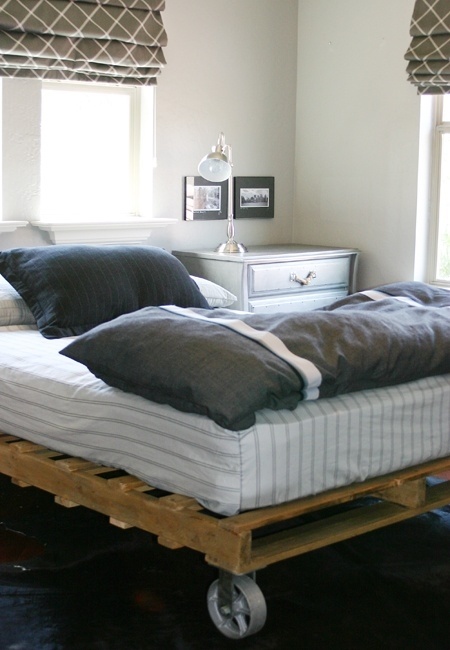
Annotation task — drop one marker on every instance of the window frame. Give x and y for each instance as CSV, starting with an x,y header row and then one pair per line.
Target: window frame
x,y
136,226
134,137
20,178
439,129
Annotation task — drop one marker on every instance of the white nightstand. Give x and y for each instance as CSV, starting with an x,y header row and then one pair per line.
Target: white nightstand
x,y
283,278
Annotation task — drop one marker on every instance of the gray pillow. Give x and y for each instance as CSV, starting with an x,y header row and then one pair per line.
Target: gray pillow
x,y
199,369
70,289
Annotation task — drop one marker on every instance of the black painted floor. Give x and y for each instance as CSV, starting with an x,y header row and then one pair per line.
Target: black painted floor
x,y
70,581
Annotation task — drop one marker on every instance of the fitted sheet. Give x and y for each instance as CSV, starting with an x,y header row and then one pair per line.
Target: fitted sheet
x,y
55,401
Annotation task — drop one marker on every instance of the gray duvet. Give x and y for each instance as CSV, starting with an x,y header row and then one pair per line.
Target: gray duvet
x,y
206,367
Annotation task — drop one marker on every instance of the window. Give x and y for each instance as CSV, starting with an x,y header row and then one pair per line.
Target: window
x,y
439,250
92,161
21,179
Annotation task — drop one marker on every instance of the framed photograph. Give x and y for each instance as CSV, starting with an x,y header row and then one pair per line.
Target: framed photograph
x,y
204,200
254,196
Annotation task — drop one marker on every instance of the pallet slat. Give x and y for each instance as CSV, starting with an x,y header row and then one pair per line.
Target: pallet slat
x,y
66,503
227,542
274,514
128,482
341,527
410,494
184,526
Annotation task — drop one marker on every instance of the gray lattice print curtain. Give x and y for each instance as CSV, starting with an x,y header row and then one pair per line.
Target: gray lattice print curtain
x,y
103,41
428,55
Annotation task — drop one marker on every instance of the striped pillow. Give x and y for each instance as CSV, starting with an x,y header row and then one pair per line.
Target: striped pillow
x,y
71,289
13,309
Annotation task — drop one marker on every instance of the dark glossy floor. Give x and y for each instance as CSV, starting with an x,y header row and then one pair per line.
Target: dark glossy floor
x,y
70,581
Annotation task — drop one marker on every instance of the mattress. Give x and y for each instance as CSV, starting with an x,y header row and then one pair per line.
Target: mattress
x,y
52,400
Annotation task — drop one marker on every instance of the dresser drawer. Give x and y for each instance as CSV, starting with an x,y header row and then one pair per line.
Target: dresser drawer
x,y
280,277
270,278
295,302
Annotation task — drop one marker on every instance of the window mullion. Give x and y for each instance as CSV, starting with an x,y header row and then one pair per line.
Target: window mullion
x,y
441,130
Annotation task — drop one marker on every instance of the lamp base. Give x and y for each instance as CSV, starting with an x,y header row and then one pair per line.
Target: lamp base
x,y
231,246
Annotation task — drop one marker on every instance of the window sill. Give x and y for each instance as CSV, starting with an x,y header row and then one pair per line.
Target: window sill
x,y
10,226
133,230
441,284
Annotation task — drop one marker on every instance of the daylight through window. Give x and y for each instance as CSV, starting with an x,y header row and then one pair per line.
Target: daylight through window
x,y
442,190
89,151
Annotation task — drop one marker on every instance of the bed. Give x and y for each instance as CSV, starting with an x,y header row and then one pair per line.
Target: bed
x,y
292,473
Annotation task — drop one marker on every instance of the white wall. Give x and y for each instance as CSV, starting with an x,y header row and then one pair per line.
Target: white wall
x,y
335,122
231,67
357,134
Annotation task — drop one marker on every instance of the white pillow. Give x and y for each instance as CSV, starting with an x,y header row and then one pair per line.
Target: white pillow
x,y
216,295
13,309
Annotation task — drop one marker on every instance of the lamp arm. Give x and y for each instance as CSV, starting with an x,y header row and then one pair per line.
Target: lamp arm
x,y
221,142
230,225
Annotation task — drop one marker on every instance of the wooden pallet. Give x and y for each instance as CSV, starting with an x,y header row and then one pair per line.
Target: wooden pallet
x,y
239,544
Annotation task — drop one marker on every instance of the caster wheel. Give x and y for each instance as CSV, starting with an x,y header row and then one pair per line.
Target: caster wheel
x,y
245,615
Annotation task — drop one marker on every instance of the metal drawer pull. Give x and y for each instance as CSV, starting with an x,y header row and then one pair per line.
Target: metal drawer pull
x,y
303,281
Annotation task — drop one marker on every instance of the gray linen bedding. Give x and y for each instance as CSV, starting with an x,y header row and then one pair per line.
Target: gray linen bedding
x,y
196,361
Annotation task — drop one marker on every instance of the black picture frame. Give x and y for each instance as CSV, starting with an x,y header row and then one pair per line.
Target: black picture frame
x,y
205,200
254,197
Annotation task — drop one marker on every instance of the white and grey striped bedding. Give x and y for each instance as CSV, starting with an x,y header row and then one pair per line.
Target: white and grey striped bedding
x,y
50,399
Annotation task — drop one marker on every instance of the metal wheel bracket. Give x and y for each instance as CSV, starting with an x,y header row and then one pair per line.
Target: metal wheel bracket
x,y
236,605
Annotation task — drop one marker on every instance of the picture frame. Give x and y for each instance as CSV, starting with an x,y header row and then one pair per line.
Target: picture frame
x,y
254,197
204,200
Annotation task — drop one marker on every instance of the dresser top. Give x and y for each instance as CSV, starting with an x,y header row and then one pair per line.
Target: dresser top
x,y
261,253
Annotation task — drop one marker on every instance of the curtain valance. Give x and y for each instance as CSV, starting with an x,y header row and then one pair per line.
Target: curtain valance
x,y
428,55
104,41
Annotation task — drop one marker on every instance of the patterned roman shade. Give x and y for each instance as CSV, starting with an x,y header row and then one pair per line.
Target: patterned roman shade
x,y
429,52
104,41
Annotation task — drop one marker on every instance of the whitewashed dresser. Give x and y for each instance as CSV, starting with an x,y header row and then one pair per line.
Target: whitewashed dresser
x,y
283,278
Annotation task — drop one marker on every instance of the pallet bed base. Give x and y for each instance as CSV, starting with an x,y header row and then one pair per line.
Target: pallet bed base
x,y
238,544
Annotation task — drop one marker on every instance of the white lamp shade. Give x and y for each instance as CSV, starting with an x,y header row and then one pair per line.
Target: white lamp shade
x,y
215,167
